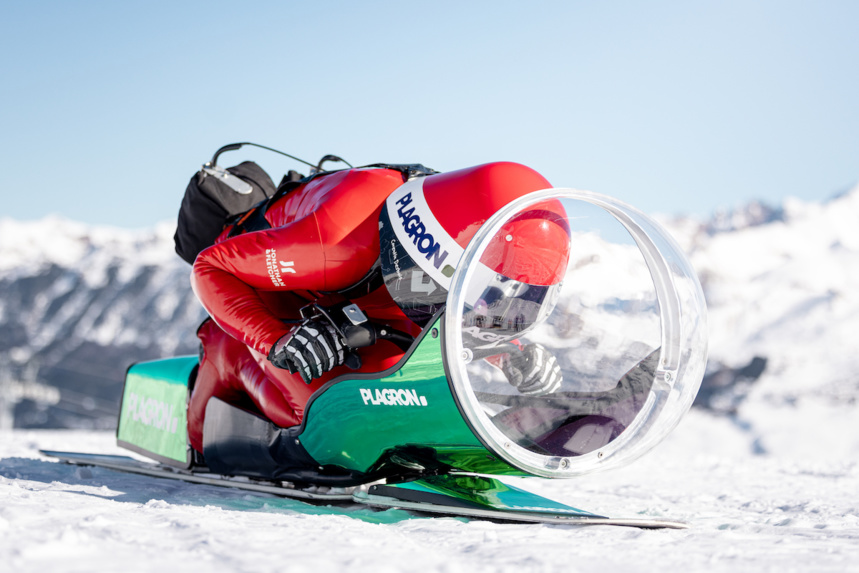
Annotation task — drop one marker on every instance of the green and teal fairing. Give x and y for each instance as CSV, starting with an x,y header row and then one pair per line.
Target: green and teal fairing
x,y
152,419
483,492
357,422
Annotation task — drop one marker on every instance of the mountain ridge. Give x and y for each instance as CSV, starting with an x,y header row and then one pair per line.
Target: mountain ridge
x,y
81,302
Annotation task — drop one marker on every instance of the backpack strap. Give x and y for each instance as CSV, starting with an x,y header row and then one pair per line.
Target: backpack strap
x,y
252,220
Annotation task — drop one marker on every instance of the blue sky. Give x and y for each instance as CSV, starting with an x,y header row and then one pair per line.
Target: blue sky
x,y
108,108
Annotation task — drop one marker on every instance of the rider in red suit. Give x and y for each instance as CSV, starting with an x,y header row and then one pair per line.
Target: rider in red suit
x,y
323,239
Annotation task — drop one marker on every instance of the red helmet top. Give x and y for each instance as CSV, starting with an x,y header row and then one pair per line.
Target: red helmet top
x,y
429,221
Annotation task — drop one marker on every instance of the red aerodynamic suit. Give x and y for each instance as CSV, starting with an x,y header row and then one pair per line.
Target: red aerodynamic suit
x,y
324,237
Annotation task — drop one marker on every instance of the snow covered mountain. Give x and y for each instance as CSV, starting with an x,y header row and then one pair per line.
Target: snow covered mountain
x,y
784,288
80,303
783,298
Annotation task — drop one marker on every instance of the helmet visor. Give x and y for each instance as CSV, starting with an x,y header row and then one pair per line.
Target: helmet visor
x,y
506,308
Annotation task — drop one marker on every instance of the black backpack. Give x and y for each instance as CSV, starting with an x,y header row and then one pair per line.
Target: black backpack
x,y
213,197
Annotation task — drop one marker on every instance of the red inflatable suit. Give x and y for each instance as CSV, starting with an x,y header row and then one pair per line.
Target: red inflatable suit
x,y
324,238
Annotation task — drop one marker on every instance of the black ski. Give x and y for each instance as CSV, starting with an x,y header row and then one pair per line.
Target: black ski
x,y
379,495
131,465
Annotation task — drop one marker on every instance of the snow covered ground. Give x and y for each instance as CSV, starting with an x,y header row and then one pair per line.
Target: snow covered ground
x,y
746,511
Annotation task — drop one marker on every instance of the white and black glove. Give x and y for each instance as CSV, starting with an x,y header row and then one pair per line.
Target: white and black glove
x,y
534,371
311,349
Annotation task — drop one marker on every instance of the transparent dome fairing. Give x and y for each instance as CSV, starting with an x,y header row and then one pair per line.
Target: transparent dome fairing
x,y
606,315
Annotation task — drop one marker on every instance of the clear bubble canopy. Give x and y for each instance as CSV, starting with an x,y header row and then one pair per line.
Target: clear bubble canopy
x,y
575,333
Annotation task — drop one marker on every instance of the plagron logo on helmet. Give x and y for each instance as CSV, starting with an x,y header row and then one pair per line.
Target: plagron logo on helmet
x,y
421,235
418,233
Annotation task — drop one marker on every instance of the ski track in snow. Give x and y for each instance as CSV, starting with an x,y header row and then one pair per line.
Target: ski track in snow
x,y
747,512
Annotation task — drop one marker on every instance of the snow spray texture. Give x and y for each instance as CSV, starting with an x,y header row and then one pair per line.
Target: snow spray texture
x,y
210,202
417,255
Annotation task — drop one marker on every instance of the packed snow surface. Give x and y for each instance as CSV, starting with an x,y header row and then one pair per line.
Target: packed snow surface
x,y
746,512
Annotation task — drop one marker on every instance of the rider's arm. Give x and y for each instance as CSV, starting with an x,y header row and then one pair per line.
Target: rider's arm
x,y
227,277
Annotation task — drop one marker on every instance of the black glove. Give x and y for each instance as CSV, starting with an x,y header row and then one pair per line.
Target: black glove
x,y
311,349
534,371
